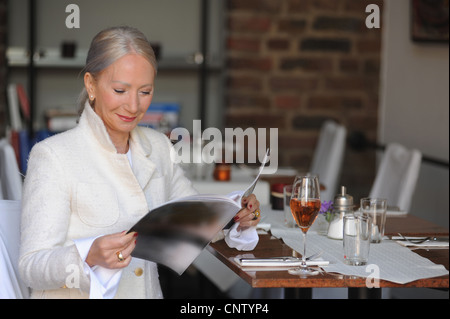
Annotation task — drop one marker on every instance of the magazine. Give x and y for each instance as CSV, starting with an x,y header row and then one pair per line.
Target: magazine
x,y
175,233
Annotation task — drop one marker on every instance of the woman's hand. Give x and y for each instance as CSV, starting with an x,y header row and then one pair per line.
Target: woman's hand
x,y
249,215
112,251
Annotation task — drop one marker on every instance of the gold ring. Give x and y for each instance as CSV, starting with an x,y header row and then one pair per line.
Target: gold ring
x,y
256,213
120,256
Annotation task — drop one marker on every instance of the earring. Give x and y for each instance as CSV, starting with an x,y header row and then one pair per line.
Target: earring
x,y
92,97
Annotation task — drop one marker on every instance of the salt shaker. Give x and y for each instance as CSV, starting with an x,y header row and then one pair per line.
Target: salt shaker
x,y
342,205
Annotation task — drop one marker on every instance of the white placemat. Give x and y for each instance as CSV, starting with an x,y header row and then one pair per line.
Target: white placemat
x,y
387,260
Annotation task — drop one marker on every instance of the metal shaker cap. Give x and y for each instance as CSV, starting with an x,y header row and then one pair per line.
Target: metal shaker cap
x,y
343,200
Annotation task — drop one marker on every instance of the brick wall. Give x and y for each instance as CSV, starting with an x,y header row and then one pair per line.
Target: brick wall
x,y
3,32
293,64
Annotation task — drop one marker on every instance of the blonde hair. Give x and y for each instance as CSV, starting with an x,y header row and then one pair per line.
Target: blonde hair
x,y
110,45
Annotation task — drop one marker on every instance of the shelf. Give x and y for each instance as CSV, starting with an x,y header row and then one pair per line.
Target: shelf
x,y
18,58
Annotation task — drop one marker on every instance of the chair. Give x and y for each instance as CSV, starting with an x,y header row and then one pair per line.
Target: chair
x,y
11,286
10,179
397,176
328,157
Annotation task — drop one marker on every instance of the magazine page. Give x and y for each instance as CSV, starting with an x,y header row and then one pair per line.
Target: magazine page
x,y
175,233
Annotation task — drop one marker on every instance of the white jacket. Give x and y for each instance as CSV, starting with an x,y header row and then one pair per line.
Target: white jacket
x,y
78,186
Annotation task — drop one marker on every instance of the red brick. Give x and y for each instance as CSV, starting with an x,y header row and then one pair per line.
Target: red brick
x,y
363,122
308,122
268,6
244,82
287,102
334,102
368,46
245,44
278,44
254,63
255,120
326,5
349,65
291,140
302,84
306,64
333,23
330,45
359,6
248,100
292,26
372,67
298,6
350,83
249,24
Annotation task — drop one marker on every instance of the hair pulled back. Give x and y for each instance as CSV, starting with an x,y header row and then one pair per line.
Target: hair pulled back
x,y
110,45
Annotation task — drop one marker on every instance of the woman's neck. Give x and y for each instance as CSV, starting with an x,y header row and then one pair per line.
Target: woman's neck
x,y
120,141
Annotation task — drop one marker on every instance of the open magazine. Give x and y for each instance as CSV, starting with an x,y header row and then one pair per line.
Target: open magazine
x,y
175,233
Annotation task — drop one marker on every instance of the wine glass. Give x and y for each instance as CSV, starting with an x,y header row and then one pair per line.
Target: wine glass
x,y
305,205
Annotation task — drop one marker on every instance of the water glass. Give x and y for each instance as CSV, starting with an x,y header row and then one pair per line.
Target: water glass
x,y
375,208
357,230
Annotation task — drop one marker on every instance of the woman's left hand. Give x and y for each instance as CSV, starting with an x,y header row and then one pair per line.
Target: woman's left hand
x,y
249,215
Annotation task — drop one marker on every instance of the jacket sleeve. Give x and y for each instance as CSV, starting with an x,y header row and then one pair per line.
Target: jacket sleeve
x,y
47,260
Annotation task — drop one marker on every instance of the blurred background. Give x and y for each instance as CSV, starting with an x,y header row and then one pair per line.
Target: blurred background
x,y
286,64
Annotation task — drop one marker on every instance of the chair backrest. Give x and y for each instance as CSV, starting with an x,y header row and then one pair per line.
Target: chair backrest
x,y
328,157
10,179
397,176
11,286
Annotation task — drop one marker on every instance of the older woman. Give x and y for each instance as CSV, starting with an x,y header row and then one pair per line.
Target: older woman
x,y
86,186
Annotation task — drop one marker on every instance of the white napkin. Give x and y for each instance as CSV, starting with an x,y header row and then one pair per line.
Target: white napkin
x,y
244,239
104,281
263,226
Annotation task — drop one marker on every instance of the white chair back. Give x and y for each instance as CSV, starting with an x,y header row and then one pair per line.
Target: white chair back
x,y
328,157
10,179
397,176
11,287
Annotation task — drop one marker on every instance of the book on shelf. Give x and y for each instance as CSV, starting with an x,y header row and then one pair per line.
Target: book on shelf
x,y
14,140
22,142
175,233
15,119
18,106
161,116
24,101
59,120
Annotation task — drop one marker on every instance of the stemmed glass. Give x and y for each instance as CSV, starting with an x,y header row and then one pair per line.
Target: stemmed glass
x,y
305,205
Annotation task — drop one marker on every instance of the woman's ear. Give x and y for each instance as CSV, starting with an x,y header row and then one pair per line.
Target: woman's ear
x,y
89,84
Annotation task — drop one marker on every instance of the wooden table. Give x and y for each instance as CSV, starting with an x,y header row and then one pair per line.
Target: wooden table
x,y
270,246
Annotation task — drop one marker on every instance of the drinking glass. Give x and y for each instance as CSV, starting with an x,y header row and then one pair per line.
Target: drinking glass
x,y
376,209
305,205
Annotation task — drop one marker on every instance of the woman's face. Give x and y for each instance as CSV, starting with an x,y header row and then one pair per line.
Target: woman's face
x,y
122,92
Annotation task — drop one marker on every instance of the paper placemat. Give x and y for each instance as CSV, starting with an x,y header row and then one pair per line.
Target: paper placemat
x,y
387,260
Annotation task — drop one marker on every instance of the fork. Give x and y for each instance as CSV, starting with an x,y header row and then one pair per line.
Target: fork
x,y
314,256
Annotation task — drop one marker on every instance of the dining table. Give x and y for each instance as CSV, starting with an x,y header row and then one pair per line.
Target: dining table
x,y
394,264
